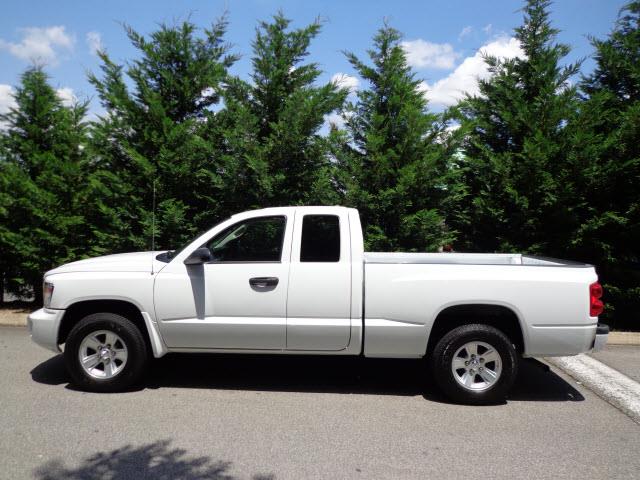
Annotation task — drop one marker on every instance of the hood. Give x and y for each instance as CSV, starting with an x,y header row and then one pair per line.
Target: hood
x,y
120,262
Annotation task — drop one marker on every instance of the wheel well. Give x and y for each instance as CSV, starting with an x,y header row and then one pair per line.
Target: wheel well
x,y
497,316
79,310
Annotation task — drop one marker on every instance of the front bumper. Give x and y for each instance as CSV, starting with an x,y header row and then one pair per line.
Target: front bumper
x,y
43,326
602,333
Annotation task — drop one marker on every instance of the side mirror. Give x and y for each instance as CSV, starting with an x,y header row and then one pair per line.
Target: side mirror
x,y
199,256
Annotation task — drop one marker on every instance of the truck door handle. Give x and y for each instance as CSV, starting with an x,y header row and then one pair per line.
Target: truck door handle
x,y
263,282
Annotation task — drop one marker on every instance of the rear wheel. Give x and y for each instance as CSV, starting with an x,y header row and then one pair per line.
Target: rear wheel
x,y
475,364
105,352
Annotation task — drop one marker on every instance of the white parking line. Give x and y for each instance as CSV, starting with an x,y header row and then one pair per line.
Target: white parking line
x,y
608,383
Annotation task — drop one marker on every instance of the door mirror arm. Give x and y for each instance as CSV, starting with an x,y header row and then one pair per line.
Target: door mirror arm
x,y
199,256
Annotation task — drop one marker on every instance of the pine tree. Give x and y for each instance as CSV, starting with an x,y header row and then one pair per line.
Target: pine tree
x,y
521,183
42,168
155,133
272,124
9,240
606,147
396,155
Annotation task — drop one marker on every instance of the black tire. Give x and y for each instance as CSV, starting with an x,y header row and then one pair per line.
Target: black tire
x,y
129,334
443,356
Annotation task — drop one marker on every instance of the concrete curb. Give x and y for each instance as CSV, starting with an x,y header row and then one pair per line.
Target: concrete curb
x,y
13,318
609,384
624,338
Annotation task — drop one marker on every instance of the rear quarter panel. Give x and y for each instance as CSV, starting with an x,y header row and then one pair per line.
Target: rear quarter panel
x,y
403,300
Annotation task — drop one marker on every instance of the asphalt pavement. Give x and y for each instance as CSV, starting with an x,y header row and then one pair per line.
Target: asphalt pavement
x,y
227,417
624,358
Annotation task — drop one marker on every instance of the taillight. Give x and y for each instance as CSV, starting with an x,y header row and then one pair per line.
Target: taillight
x,y
595,304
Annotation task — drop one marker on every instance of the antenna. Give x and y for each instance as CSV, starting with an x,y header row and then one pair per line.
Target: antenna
x,y
153,224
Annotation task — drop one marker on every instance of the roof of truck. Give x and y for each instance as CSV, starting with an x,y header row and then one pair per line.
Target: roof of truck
x,y
280,210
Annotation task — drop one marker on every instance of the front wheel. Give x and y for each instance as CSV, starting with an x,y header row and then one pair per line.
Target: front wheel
x,y
475,364
105,352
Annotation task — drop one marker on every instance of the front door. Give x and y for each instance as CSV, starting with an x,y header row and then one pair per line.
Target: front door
x,y
236,301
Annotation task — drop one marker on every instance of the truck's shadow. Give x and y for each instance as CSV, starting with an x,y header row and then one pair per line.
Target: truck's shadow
x,y
316,374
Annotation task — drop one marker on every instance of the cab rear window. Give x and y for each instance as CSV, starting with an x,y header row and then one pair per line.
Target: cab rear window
x,y
320,238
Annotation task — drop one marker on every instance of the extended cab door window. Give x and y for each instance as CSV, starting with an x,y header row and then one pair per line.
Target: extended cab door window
x,y
254,240
320,238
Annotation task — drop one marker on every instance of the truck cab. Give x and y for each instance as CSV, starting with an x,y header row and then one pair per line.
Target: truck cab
x,y
277,279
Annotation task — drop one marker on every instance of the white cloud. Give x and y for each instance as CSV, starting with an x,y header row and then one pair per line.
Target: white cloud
x,y
6,98
337,119
464,79
465,32
334,119
7,101
488,28
343,80
423,54
445,134
207,92
67,96
40,44
94,41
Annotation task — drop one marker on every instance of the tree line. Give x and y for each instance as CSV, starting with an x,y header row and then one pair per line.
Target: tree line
x,y
544,160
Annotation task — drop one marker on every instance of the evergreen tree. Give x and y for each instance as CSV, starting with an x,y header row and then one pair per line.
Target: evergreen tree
x,y
9,240
155,133
271,125
521,183
396,155
606,146
42,168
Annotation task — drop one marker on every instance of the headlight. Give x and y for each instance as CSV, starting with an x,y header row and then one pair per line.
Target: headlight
x,y
47,293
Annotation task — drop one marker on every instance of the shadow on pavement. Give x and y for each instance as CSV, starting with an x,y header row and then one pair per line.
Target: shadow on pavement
x,y
156,460
537,382
51,372
316,374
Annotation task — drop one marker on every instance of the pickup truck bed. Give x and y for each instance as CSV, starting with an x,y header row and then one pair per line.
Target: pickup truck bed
x,y
470,259
407,294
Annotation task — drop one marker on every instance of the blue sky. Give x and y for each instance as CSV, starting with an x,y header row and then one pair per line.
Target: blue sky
x,y
443,37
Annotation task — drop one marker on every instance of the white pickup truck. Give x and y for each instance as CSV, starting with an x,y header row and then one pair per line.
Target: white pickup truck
x,y
296,280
